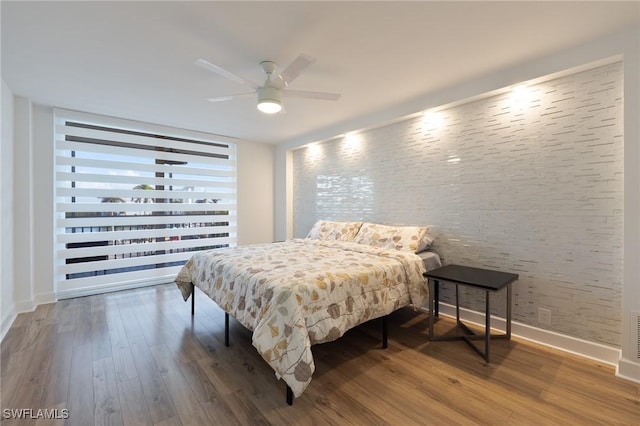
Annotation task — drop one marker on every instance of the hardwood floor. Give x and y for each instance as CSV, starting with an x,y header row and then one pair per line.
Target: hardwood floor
x,y
137,357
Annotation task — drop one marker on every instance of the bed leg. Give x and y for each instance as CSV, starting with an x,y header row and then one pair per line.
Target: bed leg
x,y
385,331
226,329
193,299
289,396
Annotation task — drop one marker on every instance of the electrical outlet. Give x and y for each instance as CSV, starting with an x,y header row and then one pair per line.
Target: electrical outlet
x,y
544,316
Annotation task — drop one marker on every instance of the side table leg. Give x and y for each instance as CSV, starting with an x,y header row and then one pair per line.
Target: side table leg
x,y
508,311
457,307
432,285
487,329
436,295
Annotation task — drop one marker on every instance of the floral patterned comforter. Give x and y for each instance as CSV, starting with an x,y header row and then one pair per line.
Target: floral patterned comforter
x,y
301,292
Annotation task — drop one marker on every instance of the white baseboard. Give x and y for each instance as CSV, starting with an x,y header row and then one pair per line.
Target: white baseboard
x,y
44,298
628,369
595,351
24,306
21,307
7,322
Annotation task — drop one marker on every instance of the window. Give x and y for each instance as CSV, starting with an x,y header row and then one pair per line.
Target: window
x,y
134,201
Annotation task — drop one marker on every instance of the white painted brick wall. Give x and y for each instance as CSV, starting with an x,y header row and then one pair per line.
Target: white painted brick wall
x,y
533,187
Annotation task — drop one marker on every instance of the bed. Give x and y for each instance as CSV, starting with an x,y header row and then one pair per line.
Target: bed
x,y
300,292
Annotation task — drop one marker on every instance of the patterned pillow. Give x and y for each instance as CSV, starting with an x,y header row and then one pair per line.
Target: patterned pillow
x,y
425,241
342,231
411,238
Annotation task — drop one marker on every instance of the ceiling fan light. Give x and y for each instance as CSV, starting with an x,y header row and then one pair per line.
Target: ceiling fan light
x,y
269,107
269,100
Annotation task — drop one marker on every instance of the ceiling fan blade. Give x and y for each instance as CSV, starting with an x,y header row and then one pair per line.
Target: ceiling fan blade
x,y
311,95
227,74
295,68
229,97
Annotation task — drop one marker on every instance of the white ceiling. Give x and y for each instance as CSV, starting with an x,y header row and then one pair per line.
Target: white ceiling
x,y
135,59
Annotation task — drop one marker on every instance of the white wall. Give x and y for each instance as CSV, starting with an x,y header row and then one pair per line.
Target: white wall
x,y
7,308
629,364
255,193
23,247
625,43
528,182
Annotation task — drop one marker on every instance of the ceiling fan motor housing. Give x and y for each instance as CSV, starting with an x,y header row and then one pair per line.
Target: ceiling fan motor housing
x,y
269,94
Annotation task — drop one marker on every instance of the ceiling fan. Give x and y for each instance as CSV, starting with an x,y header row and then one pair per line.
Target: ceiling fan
x,y
275,87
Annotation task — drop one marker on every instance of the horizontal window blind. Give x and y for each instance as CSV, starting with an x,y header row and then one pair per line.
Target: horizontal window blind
x,y
135,201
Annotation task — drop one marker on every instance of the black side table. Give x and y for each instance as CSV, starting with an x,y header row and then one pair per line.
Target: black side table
x,y
483,279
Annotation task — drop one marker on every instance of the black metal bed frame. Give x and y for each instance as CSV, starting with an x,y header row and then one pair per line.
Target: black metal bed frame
x,y
385,334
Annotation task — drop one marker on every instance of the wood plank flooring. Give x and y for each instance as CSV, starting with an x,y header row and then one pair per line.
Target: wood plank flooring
x,y
137,357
